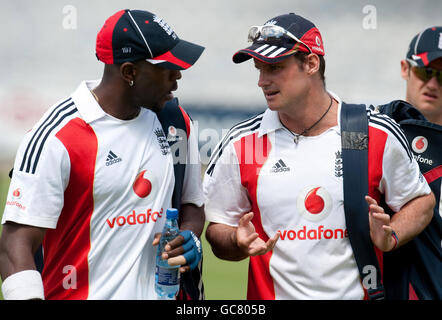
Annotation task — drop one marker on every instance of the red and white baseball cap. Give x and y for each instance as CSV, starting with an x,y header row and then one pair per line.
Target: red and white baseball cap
x,y
133,35
281,37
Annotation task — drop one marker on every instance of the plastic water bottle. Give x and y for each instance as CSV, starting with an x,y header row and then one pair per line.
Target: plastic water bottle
x,y
167,278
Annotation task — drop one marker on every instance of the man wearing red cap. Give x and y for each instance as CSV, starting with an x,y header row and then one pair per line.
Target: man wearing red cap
x,y
422,69
417,266
94,177
274,184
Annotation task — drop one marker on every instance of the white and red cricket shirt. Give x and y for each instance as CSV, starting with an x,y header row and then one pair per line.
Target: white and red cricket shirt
x,y
296,189
101,186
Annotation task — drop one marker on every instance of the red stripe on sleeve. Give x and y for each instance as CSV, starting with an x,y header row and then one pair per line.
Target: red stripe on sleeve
x,y
66,248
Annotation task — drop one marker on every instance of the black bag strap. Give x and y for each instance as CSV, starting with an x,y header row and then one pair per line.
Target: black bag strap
x,y
354,139
171,115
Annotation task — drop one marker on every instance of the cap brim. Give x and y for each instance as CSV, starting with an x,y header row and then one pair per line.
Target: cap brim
x,y
434,55
264,52
181,57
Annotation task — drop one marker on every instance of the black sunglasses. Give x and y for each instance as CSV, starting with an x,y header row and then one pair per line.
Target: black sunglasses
x,y
426,73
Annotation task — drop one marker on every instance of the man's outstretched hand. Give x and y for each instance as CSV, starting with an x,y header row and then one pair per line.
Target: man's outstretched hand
x,y
248,239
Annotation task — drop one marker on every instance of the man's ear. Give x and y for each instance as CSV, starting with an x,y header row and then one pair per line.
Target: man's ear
x,y
128,72
405,70
313,63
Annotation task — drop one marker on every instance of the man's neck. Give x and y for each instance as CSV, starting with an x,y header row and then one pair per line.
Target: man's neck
x,y
433,117
114,101
306,113
436,119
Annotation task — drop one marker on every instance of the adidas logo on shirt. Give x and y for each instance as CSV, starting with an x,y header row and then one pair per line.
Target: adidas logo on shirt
x,y
280,166
112,158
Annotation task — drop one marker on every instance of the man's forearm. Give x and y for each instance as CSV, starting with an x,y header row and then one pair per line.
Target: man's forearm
x,y
222,238
413,218
192,218
17,248
21,261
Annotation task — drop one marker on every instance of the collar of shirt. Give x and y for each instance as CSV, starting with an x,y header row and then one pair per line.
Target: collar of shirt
x,y
270,120
85,102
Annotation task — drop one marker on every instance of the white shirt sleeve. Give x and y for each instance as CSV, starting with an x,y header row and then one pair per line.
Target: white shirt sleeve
x,y
226,199
192,186
401,180
37,198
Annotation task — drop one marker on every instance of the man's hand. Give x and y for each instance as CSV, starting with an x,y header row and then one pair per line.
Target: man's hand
x,y
249,241
185,250
380,229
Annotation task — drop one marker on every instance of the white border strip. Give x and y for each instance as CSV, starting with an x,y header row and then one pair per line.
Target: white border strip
x,y
142,36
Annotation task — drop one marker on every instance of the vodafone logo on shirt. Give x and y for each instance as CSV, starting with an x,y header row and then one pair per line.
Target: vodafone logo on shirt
x,y
145,184
172,131
318,233
135,218
145,187
142,186
314,203
419,144
16,195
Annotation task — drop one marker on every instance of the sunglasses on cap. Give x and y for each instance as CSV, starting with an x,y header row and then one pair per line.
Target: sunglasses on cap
x,y
426,73
272,34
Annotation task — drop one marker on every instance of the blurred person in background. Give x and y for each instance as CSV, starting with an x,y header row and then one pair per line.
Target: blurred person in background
x,y
422,71
421,260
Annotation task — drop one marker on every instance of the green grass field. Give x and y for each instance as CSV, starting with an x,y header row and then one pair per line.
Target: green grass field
x,y
223,280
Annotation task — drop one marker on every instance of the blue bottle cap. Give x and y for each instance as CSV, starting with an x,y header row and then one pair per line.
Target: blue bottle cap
x,y
172,213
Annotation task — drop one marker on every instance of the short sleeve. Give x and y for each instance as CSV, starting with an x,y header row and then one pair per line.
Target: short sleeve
x,y
226,199
36,197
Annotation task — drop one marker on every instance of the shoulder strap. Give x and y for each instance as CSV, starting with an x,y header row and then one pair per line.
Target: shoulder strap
x,y
172,116
354,138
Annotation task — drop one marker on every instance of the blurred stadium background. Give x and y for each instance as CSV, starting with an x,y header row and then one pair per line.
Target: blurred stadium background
x,y
48,48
